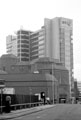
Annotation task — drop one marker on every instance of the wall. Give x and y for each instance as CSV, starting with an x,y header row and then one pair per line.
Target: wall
x,y
25,81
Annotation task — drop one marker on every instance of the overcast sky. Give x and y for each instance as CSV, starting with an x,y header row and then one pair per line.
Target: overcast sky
x,y
31,13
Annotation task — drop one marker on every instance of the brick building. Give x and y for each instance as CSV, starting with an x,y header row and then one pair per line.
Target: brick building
x,y
45,75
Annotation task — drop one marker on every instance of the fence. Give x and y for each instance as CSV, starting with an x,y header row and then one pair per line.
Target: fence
x,y
19,99
22,106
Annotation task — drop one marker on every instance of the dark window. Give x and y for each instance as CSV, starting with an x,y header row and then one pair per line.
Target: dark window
x,y
25,41
24,59
18,50
24,37
29,67
34,35
18,46
21,68
24,54
33,53
18,37
19,32
25,46
18,41
24,50
51,72
19,54
24,32
34,57
34,48
34,39
35,43
4,68
12,67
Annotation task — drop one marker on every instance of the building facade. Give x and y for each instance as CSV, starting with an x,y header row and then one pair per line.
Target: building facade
x,y
29,45
79,90
59,42
37,44
53,40
23,45
22,77
11,44
79,86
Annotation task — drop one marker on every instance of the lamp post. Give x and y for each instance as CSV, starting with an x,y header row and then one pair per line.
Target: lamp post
x,y
53,94
1,87
30,94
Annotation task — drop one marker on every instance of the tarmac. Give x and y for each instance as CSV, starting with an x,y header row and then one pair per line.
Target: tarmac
x,y
22,112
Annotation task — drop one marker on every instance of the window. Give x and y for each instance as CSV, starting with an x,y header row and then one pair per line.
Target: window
x,y
34,48
41,32
25,46
41,42
4,68
34,57
18,37
24,37
19,54
29,67
34,35
24,32
41,56
51,72
41,51
41,47
18,41
24,50
34,52
34,40
18,50
12,67
24,54
24,59
25,41
33,44
18,46
41,37
21,68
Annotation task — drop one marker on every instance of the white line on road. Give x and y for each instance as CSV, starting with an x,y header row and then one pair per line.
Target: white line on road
x,y
18,118
38,117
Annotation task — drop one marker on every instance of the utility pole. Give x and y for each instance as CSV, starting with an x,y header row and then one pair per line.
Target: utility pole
x,y
2,85
30,95
52,83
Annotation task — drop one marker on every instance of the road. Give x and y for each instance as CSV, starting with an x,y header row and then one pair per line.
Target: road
x,y
58,112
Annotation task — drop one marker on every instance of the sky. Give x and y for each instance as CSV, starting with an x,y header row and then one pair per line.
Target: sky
x,y
30,15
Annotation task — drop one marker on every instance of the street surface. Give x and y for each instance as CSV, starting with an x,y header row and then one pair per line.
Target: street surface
x,y
58,112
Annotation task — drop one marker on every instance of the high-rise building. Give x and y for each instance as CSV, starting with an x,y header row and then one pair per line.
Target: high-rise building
x,y
29,45
59,42
11,44
79,86
37,44
23,45
53,40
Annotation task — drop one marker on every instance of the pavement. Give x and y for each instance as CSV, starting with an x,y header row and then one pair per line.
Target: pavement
x,y
22,112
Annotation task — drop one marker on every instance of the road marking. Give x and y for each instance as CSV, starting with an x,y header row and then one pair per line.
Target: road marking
x,y
18,118
38,117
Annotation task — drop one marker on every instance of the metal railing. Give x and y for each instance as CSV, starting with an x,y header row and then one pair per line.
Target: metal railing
x,y
23,106
26,105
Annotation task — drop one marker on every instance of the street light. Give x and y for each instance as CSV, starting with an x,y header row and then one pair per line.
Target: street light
x,y
53,84
30,94
2,85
